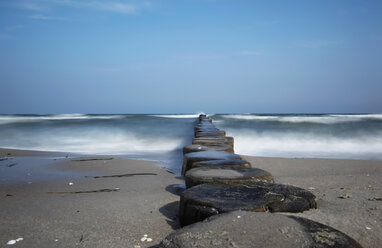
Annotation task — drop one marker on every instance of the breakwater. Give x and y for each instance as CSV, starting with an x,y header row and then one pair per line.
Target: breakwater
x,y
229,203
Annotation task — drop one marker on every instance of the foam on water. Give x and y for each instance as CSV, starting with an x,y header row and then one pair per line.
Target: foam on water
x,y
136,136
322,119
178,116
160,138
326,135
5,119
97,142
306,145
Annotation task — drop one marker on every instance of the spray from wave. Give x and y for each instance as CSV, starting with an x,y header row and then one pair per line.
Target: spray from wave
x,y
306,145
353,136
322,119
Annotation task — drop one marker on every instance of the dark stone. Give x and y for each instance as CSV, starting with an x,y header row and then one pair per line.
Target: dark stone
x,y
250,229
192,157
223,175
217,133
227,163
205,125
198,148
222,140
205,200
205,129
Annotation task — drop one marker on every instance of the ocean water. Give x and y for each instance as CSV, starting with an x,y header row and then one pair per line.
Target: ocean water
x,y
349,136
160,138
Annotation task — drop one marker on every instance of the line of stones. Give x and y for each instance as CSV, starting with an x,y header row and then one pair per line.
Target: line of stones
x,y
219,181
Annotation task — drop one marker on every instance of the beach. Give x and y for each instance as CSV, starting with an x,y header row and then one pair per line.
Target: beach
x,y
86,209
141,201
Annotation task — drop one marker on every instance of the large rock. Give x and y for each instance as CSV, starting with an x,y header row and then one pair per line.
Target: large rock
x,y
204,200
192,157
212,133
205,126
199,148
265,230
222,140
227,163
223,175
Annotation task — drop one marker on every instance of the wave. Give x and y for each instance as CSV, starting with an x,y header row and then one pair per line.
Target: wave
x,y
321,119
306,145
96,143
5,119
178,116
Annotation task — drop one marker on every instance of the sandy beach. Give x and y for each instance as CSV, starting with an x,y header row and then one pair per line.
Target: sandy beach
x,y
348,192
140,200
113,202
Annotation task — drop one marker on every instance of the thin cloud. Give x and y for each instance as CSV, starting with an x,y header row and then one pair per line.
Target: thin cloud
x,y
130,7
44,17
30,5
115,7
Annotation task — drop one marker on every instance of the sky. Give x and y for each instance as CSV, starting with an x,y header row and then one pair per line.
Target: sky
x,y
190,56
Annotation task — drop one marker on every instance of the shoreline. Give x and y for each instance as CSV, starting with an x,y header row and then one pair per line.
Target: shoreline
x,y
147,204
114,203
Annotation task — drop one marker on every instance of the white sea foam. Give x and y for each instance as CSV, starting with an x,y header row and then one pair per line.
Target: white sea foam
x,y
306,145
178,116
5,119
97,143
321,119
364,116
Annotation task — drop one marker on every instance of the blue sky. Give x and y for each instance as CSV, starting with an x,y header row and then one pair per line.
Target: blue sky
x,y
182,56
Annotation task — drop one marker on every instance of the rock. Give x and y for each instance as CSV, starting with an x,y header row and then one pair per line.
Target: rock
x,y
192,157
223,175
222,140
227,163
344,196
201,134
198,148
204,200
265,230
205,127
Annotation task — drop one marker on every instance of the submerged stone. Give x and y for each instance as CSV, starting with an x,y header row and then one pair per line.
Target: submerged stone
x,y
251,229
223,175
204,200
192,157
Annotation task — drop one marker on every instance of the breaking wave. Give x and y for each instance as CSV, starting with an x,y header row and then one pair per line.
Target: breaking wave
x,y
321,119
306,145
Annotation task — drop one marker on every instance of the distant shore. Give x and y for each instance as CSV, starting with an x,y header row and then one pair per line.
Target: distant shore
x,y
115,201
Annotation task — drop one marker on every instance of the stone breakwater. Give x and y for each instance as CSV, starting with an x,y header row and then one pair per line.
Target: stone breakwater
x,y
229,203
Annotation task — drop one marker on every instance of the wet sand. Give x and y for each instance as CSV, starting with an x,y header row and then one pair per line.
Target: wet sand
x,y
137,198
117,211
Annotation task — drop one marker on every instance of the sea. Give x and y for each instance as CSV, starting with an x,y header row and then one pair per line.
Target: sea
x,y
160,137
